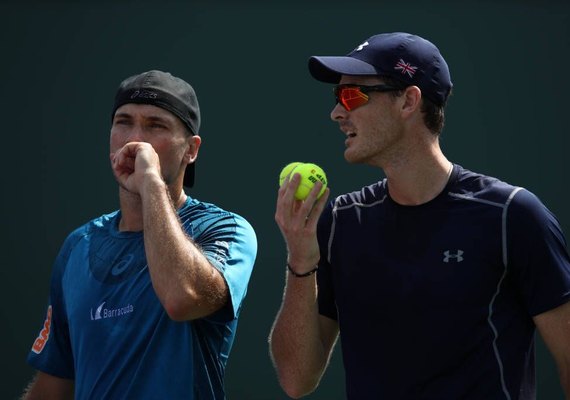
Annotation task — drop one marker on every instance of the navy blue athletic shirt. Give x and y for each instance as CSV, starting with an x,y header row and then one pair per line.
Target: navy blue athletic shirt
x,y
436,301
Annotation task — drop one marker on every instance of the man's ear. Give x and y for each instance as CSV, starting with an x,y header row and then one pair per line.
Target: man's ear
x,y
412,99
194,143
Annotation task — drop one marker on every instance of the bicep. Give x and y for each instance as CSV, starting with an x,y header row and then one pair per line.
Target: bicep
x,y
49,387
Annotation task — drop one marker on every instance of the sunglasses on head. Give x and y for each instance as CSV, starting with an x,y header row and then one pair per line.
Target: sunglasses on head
x,y
354,96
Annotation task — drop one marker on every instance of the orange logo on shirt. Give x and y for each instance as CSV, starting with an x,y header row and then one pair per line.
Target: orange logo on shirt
x,y
42,339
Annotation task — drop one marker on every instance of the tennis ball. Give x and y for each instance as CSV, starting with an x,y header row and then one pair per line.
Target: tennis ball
x,y
286,171
310,174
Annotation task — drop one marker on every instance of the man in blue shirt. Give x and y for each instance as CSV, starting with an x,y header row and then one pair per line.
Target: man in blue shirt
x,y
435,278
144,301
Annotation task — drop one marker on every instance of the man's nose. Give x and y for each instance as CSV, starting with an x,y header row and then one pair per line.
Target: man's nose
x,y
136,134
338,112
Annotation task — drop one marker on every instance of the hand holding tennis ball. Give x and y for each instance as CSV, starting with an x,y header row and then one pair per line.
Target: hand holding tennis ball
x,y
310,174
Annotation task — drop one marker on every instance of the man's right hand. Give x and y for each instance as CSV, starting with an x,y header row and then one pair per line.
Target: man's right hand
x,y
133,163
297,220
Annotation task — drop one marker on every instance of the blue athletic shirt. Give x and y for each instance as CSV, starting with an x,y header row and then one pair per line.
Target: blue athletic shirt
x,y
106,329
436,301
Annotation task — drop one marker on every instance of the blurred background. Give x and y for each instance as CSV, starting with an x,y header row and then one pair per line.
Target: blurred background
x,y
62,62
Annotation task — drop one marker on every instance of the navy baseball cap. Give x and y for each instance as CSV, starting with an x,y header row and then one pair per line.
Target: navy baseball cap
x,y
166,91
402,56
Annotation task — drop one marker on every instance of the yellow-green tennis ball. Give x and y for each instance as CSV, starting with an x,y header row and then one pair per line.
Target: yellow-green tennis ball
x,y
310,174
286,171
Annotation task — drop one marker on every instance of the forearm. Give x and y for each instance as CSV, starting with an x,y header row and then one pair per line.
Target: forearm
x,y
298,347
187,285
48,387
553,326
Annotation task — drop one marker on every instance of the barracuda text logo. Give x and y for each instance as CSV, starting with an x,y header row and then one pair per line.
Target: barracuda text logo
x,y
102,313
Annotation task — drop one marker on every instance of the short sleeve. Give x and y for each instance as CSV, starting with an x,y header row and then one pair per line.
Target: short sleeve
x,y
230,244
51,351
537,256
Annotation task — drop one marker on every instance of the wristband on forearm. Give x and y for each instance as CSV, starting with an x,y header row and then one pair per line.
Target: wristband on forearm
x,y
311,272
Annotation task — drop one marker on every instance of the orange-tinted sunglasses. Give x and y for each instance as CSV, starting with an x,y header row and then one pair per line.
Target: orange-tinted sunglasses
x,y
354,96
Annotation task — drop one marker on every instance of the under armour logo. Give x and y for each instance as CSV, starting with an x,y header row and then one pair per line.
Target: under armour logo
x,y
449,255
361,46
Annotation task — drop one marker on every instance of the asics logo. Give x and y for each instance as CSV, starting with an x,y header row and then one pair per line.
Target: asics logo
x,y
122,265
457,256
145,94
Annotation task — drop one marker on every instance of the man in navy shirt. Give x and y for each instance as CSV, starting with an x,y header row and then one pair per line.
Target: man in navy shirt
x,y
435,278
144,301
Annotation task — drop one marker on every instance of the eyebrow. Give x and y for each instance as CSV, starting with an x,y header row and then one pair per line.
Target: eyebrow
x,y
156,118
152,118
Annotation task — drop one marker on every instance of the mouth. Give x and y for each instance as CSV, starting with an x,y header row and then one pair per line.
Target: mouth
x,y
348,130
349,137
350,134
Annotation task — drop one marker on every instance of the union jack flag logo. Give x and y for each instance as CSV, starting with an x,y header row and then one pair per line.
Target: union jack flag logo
x,y
406,68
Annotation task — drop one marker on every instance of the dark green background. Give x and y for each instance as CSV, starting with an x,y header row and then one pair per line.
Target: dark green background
x,y
61,63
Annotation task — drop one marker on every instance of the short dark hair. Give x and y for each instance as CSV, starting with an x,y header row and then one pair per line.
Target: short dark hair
x,y
434,115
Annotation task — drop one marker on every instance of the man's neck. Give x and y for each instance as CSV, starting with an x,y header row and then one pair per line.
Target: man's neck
x,y
418,180
132,208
